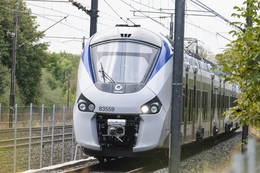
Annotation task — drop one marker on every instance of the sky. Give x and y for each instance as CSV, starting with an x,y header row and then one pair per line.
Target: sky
x,y
66,25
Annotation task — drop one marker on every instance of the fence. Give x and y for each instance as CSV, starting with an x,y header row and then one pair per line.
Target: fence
x,y
40,136
249,162
32,116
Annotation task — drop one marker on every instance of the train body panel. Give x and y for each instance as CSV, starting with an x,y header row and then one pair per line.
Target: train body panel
x,y
83,74
123,101
85,131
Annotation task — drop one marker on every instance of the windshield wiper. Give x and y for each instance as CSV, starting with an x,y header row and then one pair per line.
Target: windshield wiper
x,y
105,75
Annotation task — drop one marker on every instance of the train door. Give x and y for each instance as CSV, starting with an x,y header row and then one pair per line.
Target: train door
x,y
194,105
197,128
215,106
220,124
186,110
190,118
212,123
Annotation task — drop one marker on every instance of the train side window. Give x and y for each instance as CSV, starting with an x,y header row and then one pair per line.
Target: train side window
x,y
222,103
227,101
213,98
218,104
232,99
209,67
194,95
183,104
190,103
198,100
205,105
230,102
195,104
215,102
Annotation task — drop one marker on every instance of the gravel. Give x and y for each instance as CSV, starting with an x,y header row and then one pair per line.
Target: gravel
x,y
218,159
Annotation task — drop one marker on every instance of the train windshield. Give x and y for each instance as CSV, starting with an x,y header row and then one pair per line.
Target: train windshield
x,y
123,62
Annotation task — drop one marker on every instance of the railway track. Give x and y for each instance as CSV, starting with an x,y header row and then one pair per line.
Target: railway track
x,y
38,135
36,140
136,165
24,132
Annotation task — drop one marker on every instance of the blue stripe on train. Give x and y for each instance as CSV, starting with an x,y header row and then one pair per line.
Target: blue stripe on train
x,y
164,56
87,60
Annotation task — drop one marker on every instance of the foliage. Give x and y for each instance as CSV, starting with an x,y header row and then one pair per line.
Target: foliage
x,y
30,54
41,77
63,67
51,90
3,78
60,65
241,60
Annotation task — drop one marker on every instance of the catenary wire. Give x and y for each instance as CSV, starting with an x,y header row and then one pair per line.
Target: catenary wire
x,y
115,11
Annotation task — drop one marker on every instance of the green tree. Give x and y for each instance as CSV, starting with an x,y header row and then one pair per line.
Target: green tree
x,y
30,53
63,67
51,90
3,78
241,61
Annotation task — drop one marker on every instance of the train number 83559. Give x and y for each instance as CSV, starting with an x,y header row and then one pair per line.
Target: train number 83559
x,y
106,109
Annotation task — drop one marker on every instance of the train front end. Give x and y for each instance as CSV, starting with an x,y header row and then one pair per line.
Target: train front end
x,y
121,107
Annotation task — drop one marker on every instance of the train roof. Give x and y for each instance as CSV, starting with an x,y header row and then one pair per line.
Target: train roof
x,y
128,33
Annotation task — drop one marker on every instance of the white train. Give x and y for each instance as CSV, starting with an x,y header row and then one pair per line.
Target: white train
x,y
123,101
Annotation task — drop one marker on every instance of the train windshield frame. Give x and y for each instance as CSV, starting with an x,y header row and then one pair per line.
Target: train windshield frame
x,y
123,61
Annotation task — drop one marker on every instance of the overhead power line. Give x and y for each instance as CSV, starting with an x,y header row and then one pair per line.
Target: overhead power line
x,y
115,11
56,37
93,13
200,4
42,32
145,14
80,7
51,9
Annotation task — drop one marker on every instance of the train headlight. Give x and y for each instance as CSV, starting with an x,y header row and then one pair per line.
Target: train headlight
x,y
151,107
145,109
85,105
91,107
82,106
154,109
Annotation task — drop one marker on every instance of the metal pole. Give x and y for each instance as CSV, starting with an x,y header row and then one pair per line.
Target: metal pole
x,y
12,94
30,138
76,151
93,13
174,157
244,138
68,96
15,133
63,132
245,127
94,16
171,27
52,136
42,124
72,142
